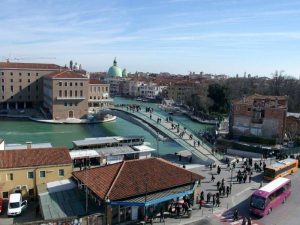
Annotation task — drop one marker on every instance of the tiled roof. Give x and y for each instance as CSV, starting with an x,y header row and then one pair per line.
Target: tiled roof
x,y
66,74
250,99
34,157
95,82
14,65
135,177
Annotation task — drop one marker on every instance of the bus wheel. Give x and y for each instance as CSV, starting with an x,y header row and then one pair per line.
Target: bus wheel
x,y
270,210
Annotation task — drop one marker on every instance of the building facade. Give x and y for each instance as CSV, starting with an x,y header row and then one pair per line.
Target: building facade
x,y
259,116
66,95
180,92
99,97
24,170
22,84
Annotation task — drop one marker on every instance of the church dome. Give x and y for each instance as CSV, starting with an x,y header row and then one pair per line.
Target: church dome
x,y
115,71
124,73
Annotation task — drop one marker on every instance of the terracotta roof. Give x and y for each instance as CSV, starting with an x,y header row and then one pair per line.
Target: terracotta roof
x,y
95,82
34,157
14,65
135,177
250,99
66,74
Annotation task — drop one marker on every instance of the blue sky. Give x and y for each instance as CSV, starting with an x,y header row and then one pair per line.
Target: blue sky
x,y
178,36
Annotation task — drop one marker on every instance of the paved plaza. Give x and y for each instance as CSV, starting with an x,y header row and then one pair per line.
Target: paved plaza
x,y
239,198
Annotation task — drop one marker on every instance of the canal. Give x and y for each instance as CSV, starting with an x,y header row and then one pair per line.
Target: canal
x,y
21,131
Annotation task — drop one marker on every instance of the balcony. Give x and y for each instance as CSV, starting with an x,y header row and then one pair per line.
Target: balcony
x,y
70,98
101,100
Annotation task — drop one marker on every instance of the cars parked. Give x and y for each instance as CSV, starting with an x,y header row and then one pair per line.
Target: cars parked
x,y
16,205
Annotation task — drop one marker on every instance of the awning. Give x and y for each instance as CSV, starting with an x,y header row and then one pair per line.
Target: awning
x,y
158,197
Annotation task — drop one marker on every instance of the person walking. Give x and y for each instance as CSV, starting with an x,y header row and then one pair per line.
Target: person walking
x,y
250,178
249,221
244,221
162,216
227,190
212,178
218,185
214,200
218,202
235,215
224,190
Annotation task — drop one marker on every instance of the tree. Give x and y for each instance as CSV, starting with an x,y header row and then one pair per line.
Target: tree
x,y
219,95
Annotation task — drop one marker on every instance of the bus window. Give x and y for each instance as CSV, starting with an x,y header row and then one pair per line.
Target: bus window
x,y
258,202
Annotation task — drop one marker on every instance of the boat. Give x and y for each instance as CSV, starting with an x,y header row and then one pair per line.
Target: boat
x,y
138,99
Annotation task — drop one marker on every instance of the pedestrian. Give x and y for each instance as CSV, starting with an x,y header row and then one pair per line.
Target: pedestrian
x,y
207,197
245,178
223,189
250,178
249,221
227,191
201,194
210,166
218,185
235,215
218,202
201,203
244,221
217,195
214,200
162,216
219,170
220,191
212,178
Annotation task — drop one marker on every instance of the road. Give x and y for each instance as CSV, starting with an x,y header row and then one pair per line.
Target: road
x,y
284,214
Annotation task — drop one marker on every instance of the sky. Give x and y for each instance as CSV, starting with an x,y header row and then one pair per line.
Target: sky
x,y
177,36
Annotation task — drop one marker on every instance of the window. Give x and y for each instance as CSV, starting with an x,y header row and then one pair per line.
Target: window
x,y
28,80
66,84
10,176
11,80
60,93
75,83
12,88
71,93
11,74
81,84
5,194
28,88
81,93
20,80
42,174
61,172
66,93
37,74
60,83
30,175
36,88
71,103
2,73
66,104
71,84
28,74
75,93
20,74
20,88
2,88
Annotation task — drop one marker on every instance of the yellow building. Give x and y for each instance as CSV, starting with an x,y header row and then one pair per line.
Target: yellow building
x,y
24,170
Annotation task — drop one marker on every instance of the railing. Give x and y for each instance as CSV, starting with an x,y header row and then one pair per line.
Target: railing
x,y
70,98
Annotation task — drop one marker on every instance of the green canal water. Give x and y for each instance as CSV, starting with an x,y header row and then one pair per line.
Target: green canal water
x,y
21,131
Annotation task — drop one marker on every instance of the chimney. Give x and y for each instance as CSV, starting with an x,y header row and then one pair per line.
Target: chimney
x,y
28,143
